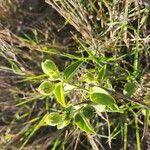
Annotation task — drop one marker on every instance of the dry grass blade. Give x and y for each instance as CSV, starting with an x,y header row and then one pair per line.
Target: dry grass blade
x,y
106,96
75,14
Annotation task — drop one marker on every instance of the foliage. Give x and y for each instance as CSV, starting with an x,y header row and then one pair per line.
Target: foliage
x,y
84,95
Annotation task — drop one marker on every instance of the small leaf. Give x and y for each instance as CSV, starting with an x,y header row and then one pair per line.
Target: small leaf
x,y
68,87
59,94
46,88
90,77
53,119
50,69
114,108
71,70
99,108
83,124
63,124
100,96
129,88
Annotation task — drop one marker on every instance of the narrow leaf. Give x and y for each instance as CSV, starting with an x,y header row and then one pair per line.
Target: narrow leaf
x,y
113,108
83,124
88,111
59,94
71,70
102,72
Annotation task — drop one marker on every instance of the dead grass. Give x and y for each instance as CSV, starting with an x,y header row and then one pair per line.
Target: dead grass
x,y
114,34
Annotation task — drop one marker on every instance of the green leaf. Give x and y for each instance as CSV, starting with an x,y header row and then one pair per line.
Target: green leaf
x,y
100,96
71,70
53,119
68,87
102,72
88,111
63,124
59,94
114,108
129,88
96,89
46,88
50,69
90,77
16,69
99,108
83,124
67,116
